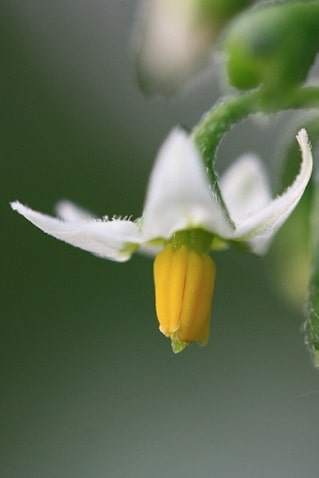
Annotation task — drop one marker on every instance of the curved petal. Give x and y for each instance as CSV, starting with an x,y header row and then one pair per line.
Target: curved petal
x,y
179,194
244,187
259,227
116,239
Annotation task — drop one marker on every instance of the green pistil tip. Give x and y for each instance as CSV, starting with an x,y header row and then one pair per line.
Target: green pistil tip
x,y
177,345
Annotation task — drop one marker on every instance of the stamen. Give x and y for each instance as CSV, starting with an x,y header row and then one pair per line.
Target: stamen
x,y
184,283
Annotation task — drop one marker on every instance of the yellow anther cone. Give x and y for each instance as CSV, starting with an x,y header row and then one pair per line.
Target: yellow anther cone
x,y
184,284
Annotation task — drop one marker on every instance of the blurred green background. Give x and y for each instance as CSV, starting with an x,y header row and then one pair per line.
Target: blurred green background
x,y
90,388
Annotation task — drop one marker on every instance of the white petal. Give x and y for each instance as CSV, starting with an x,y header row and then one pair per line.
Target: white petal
x,y
70,212
179,194
244,187
260,227
116,239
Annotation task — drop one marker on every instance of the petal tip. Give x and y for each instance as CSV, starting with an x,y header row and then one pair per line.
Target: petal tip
x,y
302,138
305,147
177,135
16,206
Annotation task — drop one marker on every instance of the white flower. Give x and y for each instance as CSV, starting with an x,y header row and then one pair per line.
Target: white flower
x,y
179,197
183,218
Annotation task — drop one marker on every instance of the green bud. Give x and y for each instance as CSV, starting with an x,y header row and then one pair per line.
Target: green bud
x,y
273,46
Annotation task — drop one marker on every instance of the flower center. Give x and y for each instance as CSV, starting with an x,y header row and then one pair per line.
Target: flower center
x,y
184,276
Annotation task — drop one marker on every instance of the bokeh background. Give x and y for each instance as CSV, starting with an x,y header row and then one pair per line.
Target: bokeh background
x,y
90,388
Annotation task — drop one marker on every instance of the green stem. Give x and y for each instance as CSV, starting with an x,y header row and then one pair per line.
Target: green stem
x,y
312,322
209,132
312,311
307,97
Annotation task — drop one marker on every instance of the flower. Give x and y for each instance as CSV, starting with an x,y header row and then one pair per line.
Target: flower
x,y
181,222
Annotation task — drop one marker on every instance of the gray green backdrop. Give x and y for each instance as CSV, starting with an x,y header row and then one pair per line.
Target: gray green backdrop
x,y
89,387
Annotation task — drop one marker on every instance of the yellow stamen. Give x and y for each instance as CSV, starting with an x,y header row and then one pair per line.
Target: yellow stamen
x,y
184,283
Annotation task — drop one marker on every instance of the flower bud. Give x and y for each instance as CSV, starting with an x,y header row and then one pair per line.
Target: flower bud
x,y
174,39
273,46
184,283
